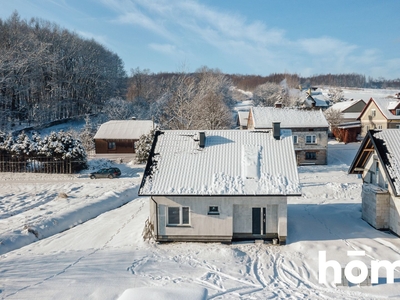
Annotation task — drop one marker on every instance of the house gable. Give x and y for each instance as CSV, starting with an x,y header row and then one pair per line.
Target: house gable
x,y
384,145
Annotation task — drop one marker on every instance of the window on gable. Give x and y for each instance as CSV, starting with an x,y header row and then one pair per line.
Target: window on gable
x,y
112,146
178,215
373,112
397,112
311,139
311,155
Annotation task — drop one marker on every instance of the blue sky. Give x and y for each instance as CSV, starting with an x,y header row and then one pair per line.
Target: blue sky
x,y
244,37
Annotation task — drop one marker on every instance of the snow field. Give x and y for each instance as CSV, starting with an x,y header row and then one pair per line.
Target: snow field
x,y
106,255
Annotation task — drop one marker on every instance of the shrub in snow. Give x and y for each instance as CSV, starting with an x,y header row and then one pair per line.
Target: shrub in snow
x,y
143,146
62,195
87,134
57,146
21,147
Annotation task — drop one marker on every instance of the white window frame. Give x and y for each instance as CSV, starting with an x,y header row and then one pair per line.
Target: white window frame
x,y
379,127
398,126
373,112
181,219
295,139
313,139
397,111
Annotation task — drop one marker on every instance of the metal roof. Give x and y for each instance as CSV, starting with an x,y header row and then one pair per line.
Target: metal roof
x,y
124,129
384,104
263,117
233,162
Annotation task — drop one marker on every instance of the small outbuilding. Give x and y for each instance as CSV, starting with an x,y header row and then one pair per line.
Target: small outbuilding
x,y
119,136
220,185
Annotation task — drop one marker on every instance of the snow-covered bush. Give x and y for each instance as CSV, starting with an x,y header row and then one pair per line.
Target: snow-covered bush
x,y
143,146
59,146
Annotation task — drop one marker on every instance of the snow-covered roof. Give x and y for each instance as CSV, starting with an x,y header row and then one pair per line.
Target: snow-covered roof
x,y
124,129
384,105
289,118
341,106
350,115
391,157
232,162
243,117
320,101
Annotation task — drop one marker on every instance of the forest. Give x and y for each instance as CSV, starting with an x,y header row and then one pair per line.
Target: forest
x,y
48,73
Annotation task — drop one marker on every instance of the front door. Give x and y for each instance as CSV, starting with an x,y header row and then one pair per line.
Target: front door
x,y
256,220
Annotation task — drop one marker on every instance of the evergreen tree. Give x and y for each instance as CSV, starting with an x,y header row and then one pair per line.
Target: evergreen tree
x,y
143,146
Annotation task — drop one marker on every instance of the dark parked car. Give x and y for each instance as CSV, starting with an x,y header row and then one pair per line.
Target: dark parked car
x,y
105,173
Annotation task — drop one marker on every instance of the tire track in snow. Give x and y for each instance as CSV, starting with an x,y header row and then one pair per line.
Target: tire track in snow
x,y
82,257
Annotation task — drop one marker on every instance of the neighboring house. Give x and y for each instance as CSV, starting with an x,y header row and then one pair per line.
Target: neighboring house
x,y
309,129
220,185
115,137
349,128
380,113
313,99
242,117
378,162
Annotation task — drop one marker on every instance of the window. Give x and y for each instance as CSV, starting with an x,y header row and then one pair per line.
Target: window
x,y
398,126
373,112
311,155
379,126
311,139
112,146
377,173
295,139
178,215
397,112
213,210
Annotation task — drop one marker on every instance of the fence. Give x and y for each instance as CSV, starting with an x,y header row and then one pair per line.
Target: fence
x,y
39,165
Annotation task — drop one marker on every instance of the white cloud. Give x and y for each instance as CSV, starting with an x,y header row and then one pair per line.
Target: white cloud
x,y
193,27
99,38
167,49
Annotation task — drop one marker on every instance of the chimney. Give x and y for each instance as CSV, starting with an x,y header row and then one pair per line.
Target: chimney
x,y
202,141
276,129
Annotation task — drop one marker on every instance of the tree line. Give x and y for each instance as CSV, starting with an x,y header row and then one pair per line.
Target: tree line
x,y
251,82
48,73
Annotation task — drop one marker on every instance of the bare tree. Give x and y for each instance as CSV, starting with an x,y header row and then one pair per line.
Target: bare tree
x,y
48,73
336,94
268,94
334,118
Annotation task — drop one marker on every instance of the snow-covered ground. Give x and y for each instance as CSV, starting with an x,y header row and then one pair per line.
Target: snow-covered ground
x,y
106,257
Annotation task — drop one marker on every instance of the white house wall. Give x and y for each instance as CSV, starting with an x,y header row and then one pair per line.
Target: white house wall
x,y
235,217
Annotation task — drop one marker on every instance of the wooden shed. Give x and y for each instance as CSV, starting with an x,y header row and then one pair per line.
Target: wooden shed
x,y
119,136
